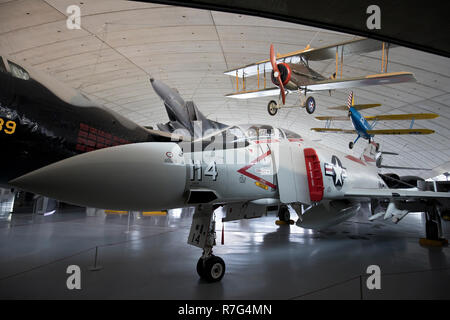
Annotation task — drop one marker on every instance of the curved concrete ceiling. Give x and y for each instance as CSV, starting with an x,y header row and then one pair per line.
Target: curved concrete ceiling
x,y
121,44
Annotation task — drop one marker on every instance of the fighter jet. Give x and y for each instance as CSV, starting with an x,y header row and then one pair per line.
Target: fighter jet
x,y
185,118
244,169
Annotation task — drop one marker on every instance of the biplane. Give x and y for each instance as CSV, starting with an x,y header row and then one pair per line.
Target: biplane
x,y
291,73
361,124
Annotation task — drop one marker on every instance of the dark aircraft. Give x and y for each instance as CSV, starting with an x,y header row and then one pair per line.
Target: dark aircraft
x,y
42,121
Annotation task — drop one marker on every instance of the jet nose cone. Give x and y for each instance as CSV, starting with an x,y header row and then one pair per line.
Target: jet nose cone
x,y
139,176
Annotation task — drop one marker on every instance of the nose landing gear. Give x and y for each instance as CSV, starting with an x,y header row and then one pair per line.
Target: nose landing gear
x,y
211,268
203,235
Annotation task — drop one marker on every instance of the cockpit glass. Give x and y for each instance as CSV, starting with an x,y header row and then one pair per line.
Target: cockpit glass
x,y
260,131
291,135
2,65
18,72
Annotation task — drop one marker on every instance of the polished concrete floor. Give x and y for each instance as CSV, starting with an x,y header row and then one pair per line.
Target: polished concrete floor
x,y
264,261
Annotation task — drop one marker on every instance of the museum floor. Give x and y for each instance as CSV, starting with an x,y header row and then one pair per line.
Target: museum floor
x,y
263,260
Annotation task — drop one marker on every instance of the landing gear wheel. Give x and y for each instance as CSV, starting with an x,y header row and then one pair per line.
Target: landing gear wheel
x,y
272,108
201,268
284,214
310,105
212,269
350,145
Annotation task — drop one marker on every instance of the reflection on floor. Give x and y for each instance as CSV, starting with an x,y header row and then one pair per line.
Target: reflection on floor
x,y
146,257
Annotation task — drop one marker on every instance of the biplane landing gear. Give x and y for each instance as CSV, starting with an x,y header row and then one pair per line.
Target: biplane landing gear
x,y
272,108
203,235
310,105
351,144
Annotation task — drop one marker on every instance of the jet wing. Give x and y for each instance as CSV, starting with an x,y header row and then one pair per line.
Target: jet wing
x,y
400,131
355,46
410,116
396,194
374,79
333,130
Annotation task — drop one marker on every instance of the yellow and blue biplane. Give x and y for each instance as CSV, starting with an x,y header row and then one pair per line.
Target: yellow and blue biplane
x,y
361,124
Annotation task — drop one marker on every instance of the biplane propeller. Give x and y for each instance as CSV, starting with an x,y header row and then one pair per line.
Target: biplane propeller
x,y
291,73
365,130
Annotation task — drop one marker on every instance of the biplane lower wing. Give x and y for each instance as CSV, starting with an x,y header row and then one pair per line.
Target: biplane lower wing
x,y
334,130
339,118
274,91
410,116
383,117
400,131
370,80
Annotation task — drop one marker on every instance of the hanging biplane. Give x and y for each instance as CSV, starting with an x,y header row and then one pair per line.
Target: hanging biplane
x,y
291,73
365,130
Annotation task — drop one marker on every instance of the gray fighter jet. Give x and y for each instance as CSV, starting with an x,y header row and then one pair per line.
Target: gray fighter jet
x,y
184,116
245,169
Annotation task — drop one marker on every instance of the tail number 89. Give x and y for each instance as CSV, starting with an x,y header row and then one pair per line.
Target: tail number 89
x,y
9,127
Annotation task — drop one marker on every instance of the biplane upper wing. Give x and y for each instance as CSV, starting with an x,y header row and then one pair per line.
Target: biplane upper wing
x,y
354,46
356,106
338,118
334,130
374,79
409,116
400,131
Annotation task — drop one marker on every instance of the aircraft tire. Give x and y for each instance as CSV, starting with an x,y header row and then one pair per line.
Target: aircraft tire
x,y
310,105
201,268
271,107
213,269
350,145
284,214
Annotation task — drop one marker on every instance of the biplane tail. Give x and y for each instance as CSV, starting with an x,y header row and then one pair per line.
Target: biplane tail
x,y
350,101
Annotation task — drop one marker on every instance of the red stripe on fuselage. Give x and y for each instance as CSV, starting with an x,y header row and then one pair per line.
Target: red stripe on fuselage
x,y
254,177
355,159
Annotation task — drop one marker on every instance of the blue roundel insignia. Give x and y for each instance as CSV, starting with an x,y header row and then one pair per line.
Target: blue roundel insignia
x,y
336,170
